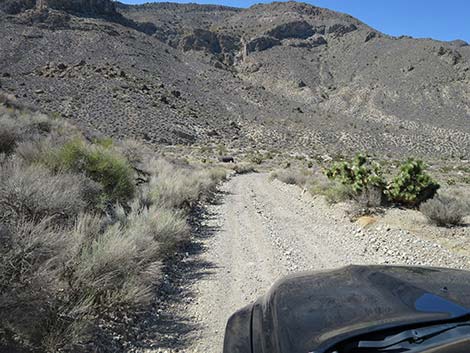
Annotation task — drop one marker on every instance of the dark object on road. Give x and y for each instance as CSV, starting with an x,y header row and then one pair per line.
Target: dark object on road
x,y
358,309
227,159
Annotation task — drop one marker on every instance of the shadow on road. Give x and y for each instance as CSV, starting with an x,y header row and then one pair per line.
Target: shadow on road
x,y
167,325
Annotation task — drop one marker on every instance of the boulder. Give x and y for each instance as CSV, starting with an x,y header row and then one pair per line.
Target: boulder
x,y
227,159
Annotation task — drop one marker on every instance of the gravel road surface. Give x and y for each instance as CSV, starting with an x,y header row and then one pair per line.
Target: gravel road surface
x,y
263,230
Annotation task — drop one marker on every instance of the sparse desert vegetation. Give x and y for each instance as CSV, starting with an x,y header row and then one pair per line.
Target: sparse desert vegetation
x,y
108,240
366,184
85,228
445,210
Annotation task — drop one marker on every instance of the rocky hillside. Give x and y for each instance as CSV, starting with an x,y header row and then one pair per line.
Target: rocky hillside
x,y
280,75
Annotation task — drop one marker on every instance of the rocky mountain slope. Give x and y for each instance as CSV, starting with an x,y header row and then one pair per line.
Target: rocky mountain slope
x,y
280,75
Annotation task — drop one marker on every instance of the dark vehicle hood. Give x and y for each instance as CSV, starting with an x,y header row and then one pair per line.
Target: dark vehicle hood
x,y
310,312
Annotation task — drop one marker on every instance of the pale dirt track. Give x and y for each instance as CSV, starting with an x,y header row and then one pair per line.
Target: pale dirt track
x,y
262,230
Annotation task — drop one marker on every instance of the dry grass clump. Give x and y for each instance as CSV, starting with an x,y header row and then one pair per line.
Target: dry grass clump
x,y
444,210
334,192
17,126
316,183
34,193
172,187
244,168
292,176
67,262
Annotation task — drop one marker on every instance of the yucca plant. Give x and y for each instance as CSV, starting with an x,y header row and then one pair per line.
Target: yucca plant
x,y
360,174
412,185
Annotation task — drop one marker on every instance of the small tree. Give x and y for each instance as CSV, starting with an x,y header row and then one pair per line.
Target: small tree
x,y
360,174
412,185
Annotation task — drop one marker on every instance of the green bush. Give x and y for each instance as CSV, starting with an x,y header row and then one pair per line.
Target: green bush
x,y
412,185
359,174
333,191
102,165
256,158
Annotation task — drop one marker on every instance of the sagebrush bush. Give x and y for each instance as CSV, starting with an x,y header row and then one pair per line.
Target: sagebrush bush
x,y
333,191
30,298
16,127
256,158
34,193
8,136
102,165
173,187
444,210
412,185
67,263
244,168
166,227
292,176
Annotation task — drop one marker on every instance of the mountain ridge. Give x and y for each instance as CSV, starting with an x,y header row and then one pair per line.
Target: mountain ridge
x,y
279,75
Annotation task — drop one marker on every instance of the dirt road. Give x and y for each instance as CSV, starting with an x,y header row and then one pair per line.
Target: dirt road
x,y
262,230
265,231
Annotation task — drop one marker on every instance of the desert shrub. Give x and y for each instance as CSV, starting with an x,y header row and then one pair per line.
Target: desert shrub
x,y
32,151
292,176
444,210
120,266
412,185
256,158
29,291
18,126
33,193
102,165
244,168
135,152
370,197
166,227
333,191
181,187
105,268
359,174
8,136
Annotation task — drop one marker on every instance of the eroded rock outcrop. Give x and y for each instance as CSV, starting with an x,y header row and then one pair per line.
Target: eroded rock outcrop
x,y
339,29
215,43
98,7
260,43
296,29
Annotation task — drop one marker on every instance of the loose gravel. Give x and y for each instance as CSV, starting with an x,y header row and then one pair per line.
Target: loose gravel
x,y
263,230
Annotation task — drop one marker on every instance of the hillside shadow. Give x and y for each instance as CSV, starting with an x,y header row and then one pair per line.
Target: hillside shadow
x,y
163,327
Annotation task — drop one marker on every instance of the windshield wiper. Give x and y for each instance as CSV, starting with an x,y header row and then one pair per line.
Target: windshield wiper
x,y
410,336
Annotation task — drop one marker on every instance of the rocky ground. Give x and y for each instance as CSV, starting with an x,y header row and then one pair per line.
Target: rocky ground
x,y
261,230
282,75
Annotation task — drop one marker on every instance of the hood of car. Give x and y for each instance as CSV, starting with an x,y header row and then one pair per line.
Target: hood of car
x,y
311,312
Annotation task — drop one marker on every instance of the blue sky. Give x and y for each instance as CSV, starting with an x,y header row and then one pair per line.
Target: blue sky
x,y
444,20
